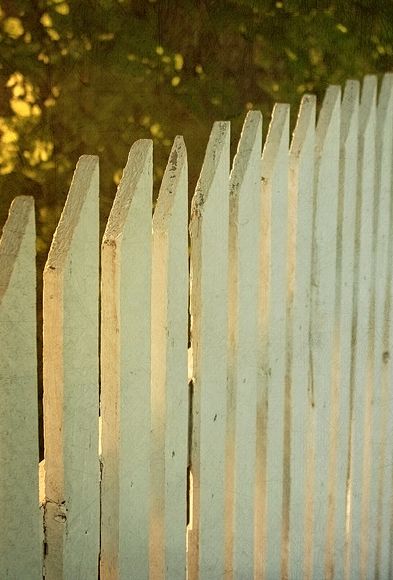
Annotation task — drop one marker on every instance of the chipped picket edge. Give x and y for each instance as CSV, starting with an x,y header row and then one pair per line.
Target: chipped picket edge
x,y
214,151
83,179
139,155
177,163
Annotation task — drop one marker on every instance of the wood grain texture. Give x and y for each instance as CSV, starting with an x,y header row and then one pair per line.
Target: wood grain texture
x,y
244,241
169,403
71,398
209,336
126,372
301,182
21,538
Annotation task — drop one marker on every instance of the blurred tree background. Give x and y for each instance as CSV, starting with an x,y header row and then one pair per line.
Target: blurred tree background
x,y
92,76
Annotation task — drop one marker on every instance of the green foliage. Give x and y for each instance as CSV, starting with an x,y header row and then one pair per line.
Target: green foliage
x,y
92,76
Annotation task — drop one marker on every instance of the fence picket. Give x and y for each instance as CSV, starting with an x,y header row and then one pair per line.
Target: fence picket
x,y
323,282
209,332
361,342
272,308
383,451
377,315
71,286
244,227
337,528
125,372
21,538
170,370
301,173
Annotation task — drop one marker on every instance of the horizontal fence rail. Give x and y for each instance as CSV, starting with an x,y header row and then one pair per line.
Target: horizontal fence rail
x,y
271,455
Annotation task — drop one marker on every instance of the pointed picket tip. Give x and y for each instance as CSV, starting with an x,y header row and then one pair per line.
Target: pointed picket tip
x,y
277,138
250,138
349,110
305,125
385,99
328,117
20,215
175,171
139,164
84,185
368,101
218,143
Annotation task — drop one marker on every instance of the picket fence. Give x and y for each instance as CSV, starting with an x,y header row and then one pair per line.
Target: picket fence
x,y
273,457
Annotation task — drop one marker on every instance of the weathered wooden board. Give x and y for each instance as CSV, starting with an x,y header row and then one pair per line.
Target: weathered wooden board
x,y
272,356
362,350
21,537
382,421
169,406
300,190
243,295
71,397
322,330
209,336
337,527
126,373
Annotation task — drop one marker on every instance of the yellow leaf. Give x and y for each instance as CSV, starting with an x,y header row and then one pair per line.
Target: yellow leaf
x,y
46,20
13,27
175,81
63,9
53,34
159,50
179,61
342,28
20,108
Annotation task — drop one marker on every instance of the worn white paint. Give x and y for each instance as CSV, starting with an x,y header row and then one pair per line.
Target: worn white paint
x,y
300,190
21,537
337,526
362,344
322,329
272,358
169,403
244,234
209,335
125,372
70,311
382,452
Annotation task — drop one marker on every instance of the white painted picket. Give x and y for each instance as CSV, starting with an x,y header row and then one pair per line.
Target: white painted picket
x,y
301,182
126,372
70,310
21,533
322,329
383,449
280,451
209,335
362,341
169,404
243,295
337,527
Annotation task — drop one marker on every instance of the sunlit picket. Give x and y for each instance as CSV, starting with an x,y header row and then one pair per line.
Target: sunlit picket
x,y
272,458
